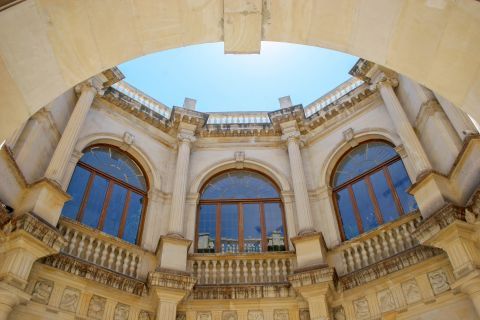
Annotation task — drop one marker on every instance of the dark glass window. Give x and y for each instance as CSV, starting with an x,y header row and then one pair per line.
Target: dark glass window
x,y
370,188
244,208
108,192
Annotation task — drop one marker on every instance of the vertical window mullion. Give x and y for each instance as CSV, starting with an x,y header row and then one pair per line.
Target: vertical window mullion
x,y
86,194
241,237
263,227
218,240
355,209
124,214
373,198
106,202
396,199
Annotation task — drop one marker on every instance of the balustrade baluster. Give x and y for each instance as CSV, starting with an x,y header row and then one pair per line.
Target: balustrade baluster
x,y
363,254
260,270
269,270
356,257
103,259
400,242
407,236
222,271
393,243
370,251
237,271
111,257
277,270
378,248
126,262
207,272
118,262
134,265
88,253
230,271
351,261
73,242
384,244
81,245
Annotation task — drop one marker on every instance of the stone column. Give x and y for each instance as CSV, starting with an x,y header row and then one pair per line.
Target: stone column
x,y
72,163
61,156
403,127
302,202
175,227
459,119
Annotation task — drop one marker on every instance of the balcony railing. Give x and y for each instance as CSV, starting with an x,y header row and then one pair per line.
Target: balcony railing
x,y
106,251
251,268
379,244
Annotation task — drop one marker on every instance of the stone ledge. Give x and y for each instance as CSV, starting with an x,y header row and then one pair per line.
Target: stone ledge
x,y
385,267
36,227
238,292
95,273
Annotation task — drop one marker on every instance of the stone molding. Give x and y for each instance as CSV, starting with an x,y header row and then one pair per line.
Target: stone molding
x,y
387,266
37,228
240,292
361,69
315,276
96,273
438,221
171,280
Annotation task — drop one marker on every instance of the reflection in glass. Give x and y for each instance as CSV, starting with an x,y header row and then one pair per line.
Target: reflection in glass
x,y
76,191
133,219
229,227
346,213
252,228
365,205
384,196
95,201
113,217
274,227
401,182
207,228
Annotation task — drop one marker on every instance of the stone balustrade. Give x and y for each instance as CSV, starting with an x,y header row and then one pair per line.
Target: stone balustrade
x,y
106,251
377,245
238,117
218,269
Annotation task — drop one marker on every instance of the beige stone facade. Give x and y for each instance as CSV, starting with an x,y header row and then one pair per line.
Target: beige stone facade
x,y
422,265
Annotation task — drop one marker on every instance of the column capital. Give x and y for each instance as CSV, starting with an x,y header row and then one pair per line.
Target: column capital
x,y
291,136
386,82
184,137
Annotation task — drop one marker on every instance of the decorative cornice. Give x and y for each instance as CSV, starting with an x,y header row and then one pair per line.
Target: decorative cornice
x,y
361,69
386,82
310,277
239,292
96,273
385,267
441,219
294,113
171,280
37,228
427,109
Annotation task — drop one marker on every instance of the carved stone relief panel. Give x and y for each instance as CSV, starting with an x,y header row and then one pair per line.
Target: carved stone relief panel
x,y
204,316
181,316
438,281
70,299
339,313
42,291
255,315
96,308
411,291
121,312
280,315
144,315
386,300
229,315
362,310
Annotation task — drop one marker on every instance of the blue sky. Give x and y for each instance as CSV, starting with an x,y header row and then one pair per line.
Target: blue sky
x,y
221,82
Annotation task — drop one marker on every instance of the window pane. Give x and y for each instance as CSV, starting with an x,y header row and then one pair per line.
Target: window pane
x,y
361,159
207,228
229,227
116,164
384,196
251,227
76,189
365,205
274,227
134,216
116,204
401,181
347,215
240,185
94,206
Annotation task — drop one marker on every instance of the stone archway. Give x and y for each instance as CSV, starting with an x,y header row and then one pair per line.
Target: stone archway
x,y
48,46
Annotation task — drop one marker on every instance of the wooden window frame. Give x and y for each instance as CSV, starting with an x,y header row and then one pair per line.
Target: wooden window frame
x,y
365,176
112,181
239,202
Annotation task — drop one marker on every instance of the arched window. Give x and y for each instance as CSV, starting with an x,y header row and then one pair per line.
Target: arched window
x,y
109,192
240,211
369,188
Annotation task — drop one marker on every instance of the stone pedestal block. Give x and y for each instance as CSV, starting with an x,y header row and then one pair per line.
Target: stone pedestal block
x,y
311,250
172,253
